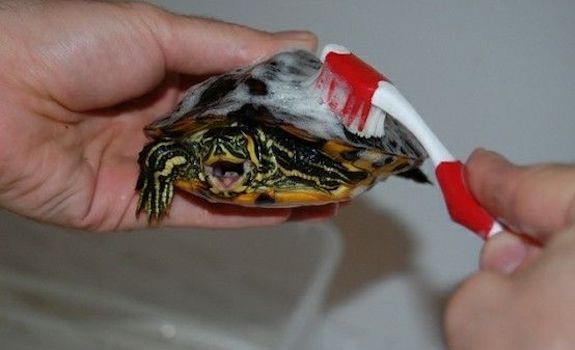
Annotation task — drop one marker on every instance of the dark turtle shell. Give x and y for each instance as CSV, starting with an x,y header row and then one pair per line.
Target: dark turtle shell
x,y
262,136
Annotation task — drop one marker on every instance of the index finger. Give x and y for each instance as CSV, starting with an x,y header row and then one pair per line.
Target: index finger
x,y
534,200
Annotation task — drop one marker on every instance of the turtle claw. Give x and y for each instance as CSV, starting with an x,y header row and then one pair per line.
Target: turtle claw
x,y
261,130
160,165
155,198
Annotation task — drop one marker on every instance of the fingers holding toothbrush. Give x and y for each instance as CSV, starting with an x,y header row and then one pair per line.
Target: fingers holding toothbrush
x,y
533,200
522,298
535,203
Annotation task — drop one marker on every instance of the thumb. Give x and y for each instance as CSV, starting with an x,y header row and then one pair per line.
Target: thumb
x,y
534,200
194,45
124,50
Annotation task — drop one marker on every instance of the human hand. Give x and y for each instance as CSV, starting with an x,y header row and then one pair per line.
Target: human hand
x,y
78,82
523,296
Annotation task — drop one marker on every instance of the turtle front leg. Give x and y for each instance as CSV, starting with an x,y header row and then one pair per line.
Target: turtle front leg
x,y
160,165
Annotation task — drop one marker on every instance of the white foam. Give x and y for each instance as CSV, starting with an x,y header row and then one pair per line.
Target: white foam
x,y
293,98
329,48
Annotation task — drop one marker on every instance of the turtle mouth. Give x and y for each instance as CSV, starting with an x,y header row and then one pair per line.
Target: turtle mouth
x,y
226,175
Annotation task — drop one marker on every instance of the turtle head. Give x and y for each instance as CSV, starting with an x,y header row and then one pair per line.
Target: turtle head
x,y
229,161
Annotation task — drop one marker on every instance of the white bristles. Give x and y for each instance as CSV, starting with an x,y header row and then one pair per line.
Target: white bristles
x,y
334,92
375,123
373,127
337,94
354,126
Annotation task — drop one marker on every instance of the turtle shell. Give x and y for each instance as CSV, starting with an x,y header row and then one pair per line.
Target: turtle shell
x,y
262,136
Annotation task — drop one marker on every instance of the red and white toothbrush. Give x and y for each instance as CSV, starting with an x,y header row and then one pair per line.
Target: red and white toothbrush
x,y
361,97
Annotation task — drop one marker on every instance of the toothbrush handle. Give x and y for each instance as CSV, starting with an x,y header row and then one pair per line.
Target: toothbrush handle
x,y
461,205
367,84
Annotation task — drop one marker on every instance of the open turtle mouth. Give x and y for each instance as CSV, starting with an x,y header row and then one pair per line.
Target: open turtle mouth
x,y
227,175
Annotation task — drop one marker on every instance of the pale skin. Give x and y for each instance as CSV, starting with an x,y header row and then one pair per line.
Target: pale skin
x,y
522,297
78,82
76,91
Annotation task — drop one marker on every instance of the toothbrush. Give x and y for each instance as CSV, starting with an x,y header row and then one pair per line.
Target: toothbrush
x,y
361,97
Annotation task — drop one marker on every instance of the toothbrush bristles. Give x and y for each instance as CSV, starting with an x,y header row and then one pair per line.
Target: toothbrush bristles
x,y
360,117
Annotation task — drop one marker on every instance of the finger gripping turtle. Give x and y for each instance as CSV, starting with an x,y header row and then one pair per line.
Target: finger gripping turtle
x,y
264,136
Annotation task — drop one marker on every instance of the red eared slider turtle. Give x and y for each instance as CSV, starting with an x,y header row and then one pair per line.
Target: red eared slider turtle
x,y
260,136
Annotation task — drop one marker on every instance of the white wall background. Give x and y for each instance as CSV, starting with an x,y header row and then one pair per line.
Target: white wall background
x,y
497,74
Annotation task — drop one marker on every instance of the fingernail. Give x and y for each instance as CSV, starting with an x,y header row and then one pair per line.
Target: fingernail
x,y
297,39
301,35
481,155
485,152
503,253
